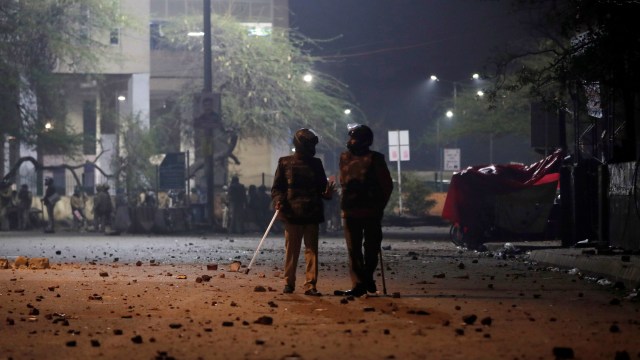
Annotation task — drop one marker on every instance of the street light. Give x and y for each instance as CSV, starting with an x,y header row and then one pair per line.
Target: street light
x,y
449,114
307,78
475,78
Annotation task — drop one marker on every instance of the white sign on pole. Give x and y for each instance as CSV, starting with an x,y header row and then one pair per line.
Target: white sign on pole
x,y
399,145
452,159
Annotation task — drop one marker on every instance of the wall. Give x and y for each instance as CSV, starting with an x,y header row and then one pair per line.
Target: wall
x,y
624,206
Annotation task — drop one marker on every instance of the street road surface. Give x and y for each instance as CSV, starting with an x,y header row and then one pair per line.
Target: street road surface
x,y
154,297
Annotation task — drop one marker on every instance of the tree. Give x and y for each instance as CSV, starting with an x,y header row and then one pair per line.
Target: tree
x,y
260,79
415,193
507,114
582,59
38,38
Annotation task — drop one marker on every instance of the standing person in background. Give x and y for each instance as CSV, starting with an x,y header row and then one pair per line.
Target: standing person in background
x,y
77,202
299,186
237,206
25,199
6,204
50,199
102,209
253,208
366,187
264,205
224,200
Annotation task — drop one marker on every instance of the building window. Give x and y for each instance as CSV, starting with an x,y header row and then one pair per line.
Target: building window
x,y
89,120
114,37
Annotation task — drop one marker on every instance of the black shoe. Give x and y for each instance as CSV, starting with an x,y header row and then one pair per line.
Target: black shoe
x,y
371,287
288,289
356,291
312,292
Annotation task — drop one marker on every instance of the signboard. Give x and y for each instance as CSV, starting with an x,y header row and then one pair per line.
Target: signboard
x,y
452,159
399,145
172,172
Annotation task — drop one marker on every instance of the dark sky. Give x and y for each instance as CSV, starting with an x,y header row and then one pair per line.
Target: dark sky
x,y
385,50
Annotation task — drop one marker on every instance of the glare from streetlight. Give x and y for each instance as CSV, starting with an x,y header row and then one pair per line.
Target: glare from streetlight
x,y
307,78
480,93
48,125
433,78
121,98
449,114
476,76
347,111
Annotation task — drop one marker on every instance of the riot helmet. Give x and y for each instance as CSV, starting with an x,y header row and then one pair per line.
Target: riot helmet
x,y
48,181
305,141
360,138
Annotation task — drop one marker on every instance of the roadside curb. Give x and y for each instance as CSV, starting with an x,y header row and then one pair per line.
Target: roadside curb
x,y
625,268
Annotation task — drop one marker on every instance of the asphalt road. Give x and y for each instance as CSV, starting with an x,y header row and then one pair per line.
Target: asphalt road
x,y
197,248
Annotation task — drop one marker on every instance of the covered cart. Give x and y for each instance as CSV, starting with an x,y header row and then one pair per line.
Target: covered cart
x,y
486,202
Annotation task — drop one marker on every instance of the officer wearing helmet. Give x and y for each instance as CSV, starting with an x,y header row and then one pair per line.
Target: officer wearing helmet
x,y
299,186
366,187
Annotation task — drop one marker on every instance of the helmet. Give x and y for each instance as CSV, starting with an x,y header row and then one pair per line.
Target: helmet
x,y
362,134
360,138
48,181
305,142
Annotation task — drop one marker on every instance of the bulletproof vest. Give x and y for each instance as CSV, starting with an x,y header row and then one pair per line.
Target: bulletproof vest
x,y
303,195
359,187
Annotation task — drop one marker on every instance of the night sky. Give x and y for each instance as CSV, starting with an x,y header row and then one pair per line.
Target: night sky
x,y
386,49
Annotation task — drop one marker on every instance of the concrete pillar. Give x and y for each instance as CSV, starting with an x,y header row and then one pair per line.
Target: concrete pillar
x,y
138,100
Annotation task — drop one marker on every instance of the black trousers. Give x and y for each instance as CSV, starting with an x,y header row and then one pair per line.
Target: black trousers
x,y
362,233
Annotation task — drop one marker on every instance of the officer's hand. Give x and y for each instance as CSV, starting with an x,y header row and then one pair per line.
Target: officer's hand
x,y
330,189
278,205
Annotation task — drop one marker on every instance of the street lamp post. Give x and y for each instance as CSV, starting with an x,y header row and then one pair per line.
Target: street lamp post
x,y
450,113
208,89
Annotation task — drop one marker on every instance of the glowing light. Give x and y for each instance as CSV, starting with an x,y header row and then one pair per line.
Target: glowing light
x,y
433,78
121,98
476,76
347,111
480,93
48,125
307,78
195,33
449,114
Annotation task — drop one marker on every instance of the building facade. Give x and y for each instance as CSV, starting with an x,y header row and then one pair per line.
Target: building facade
x,y
138,78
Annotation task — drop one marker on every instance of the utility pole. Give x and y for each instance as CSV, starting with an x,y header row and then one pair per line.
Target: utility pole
x,y
207,91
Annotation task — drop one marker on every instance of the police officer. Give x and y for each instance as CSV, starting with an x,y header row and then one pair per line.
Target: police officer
x,y
102,208
366,187
299,186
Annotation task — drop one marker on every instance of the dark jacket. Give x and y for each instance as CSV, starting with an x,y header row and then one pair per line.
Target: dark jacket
x,y
102,204
50,197
299,184
366,184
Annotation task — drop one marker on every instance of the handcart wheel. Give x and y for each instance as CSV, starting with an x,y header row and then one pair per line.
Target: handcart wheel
x,y
456,233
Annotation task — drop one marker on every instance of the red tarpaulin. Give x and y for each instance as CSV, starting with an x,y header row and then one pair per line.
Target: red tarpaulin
x,y
476,193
